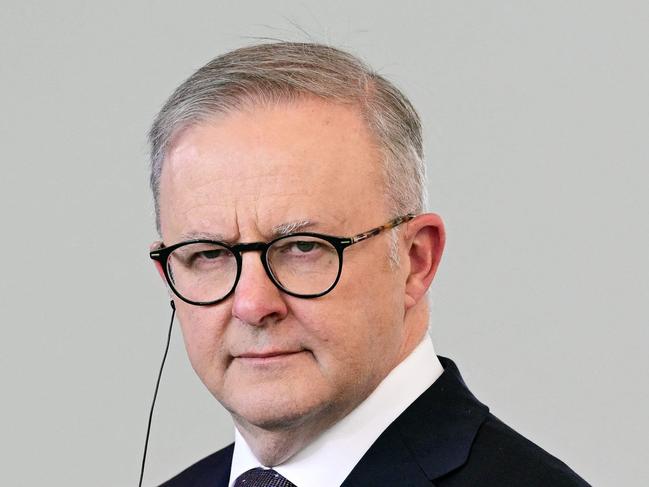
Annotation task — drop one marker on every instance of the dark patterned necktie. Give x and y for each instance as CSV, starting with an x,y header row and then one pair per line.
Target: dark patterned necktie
x,y
259,477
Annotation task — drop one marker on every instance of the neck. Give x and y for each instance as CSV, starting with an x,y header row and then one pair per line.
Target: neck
x,y
414,330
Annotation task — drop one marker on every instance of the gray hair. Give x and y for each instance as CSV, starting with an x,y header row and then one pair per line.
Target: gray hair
x,y
286,71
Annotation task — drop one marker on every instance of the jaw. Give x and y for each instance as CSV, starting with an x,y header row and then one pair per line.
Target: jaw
x,y
276,440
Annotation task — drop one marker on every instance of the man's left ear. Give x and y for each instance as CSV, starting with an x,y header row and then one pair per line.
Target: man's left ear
x,y
425,238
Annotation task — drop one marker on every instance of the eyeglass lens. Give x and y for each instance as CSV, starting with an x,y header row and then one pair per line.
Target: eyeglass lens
x,y
302,265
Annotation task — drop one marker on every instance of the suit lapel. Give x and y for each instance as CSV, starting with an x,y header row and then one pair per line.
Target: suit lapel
x,y
430,438
213,471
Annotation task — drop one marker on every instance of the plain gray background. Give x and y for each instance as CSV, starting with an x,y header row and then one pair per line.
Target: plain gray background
x,y
536,118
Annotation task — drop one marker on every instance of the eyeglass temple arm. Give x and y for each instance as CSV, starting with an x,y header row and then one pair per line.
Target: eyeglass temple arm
x,y
156,252
375,231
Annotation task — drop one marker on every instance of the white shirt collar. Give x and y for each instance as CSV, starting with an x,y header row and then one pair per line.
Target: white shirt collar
x,y
324,463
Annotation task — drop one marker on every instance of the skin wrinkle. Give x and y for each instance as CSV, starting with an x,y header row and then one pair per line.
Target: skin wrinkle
x,y
278,230
348,339
280,75
248,186
235,236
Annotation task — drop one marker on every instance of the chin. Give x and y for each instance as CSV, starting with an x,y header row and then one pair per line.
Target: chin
x,y
279,412
274,415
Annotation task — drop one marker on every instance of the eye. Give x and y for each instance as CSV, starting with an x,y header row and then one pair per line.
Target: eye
x,y
210,257
210,254
201,255
300,247
303,246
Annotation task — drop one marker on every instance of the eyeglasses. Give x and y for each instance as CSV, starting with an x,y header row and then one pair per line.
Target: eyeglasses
x,y
303,264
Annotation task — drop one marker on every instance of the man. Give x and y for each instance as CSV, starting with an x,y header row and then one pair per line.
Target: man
x,y
288,182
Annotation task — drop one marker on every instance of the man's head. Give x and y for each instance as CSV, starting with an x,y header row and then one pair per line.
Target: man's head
x,y
283,72
282,138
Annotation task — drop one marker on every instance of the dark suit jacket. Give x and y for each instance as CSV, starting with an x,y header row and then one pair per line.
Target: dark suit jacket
x,y
446,438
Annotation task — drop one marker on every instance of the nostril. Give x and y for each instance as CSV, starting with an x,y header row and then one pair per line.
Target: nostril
x,y
256,298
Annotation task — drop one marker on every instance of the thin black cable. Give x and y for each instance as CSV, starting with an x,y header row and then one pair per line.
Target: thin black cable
x,y
155,394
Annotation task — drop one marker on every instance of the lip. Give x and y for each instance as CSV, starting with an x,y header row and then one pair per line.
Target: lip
x,y
265,359
268,355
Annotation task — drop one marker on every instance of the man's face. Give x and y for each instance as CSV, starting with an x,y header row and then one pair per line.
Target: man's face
x,y
273,360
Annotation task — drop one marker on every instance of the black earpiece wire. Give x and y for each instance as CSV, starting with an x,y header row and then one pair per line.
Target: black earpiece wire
x,y
155,394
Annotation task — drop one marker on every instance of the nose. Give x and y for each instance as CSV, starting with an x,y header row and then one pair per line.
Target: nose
x,y
257,301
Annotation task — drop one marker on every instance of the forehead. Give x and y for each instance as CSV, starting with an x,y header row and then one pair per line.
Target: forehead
x,y
269,165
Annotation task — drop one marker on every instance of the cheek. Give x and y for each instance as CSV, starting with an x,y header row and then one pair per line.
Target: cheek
x,y
361,324
202,333
340,333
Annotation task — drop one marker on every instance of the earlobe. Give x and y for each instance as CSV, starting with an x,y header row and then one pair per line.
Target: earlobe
x,y
158,267
425,240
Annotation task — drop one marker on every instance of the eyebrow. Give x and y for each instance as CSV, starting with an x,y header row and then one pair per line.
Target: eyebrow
x,y
202,236
292,227
277,231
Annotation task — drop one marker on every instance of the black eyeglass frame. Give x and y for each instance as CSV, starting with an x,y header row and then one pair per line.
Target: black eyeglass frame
x,y
162,254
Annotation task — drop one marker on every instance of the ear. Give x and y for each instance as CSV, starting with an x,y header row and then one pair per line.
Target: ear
x,y
158,265
425,238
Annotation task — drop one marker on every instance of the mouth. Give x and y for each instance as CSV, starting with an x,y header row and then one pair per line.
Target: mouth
x,y
267,357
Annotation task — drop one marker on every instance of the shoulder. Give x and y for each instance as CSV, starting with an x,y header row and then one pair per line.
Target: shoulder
x,y
213,471
501,456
